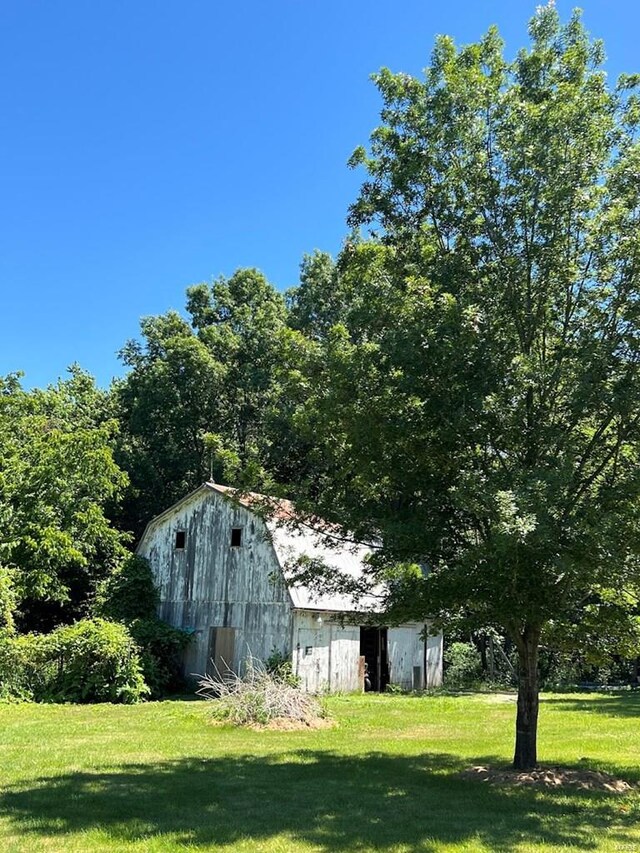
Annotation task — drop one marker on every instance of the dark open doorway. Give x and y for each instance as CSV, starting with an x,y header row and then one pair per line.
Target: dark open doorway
x,y
375,650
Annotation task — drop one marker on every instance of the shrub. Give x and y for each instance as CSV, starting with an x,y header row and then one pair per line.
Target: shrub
x,y
463,667
280,666
91,661
129,595
13,674
161,650
258,697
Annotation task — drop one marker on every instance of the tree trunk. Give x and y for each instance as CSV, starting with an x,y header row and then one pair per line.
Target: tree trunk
x,y
492,661
480,642
526,754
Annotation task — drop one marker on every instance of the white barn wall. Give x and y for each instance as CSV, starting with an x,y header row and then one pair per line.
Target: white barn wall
x,y
434,660
406,651
332,664
211,584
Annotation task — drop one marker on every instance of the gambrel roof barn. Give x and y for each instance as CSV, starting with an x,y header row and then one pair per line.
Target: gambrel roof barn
x,y
222,574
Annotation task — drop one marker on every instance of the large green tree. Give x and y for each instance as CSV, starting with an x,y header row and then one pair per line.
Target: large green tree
x,y
478,410
57,480
205,395
165,404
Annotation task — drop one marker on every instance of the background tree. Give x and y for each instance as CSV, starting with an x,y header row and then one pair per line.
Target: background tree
x,y
57,477
321,299
166,402
478,411
202,396
241,321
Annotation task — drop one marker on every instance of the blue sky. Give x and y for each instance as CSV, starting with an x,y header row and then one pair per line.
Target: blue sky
x,y
147,145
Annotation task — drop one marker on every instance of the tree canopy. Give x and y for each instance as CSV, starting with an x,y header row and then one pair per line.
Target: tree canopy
x,y
201,396
57,481
479,406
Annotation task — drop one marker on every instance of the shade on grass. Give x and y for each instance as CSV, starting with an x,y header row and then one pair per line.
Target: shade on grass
x,y
386,778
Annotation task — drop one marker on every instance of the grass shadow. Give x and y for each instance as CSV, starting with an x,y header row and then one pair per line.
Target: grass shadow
x,y
366,802
622,704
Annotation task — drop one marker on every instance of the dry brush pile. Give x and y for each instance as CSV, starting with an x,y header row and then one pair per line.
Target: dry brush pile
x,y
258,697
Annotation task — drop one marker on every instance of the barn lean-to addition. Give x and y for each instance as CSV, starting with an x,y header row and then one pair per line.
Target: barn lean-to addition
x,y
222,574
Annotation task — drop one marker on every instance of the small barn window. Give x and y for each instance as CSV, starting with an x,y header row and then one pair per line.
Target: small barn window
x,y
181,538
236,537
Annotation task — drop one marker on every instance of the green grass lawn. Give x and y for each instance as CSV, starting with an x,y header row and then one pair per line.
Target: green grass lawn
x,y
159,776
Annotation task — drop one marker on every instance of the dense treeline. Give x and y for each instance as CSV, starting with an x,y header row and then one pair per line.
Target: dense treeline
x,y
82,470
210,394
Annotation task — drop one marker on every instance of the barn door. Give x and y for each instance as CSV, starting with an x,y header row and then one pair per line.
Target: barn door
x,y
313,655
374,647
222,644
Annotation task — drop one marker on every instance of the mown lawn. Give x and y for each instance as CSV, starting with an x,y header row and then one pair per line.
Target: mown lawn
x,y
160,777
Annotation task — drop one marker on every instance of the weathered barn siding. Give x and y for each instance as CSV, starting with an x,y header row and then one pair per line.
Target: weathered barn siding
x,y
210,584
407,657
325,656
434,660
406,651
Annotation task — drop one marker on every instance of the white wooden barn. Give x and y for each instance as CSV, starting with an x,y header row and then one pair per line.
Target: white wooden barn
x,y
222,574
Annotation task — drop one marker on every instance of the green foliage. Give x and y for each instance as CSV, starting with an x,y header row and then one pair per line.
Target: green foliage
x,y
8,600
322,298
203,398
279,665
462,666
606,626
57,479
563,670
89,661
478,406
14,683
161,653
129,592
130,595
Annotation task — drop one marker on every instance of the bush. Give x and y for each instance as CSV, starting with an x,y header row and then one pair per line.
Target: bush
x,y
463,667
14,683
130,596
161,650
258,697
91,661
128,593
280,666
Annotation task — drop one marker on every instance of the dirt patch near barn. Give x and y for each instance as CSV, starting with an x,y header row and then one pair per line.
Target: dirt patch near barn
x,y
549,777
286,725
